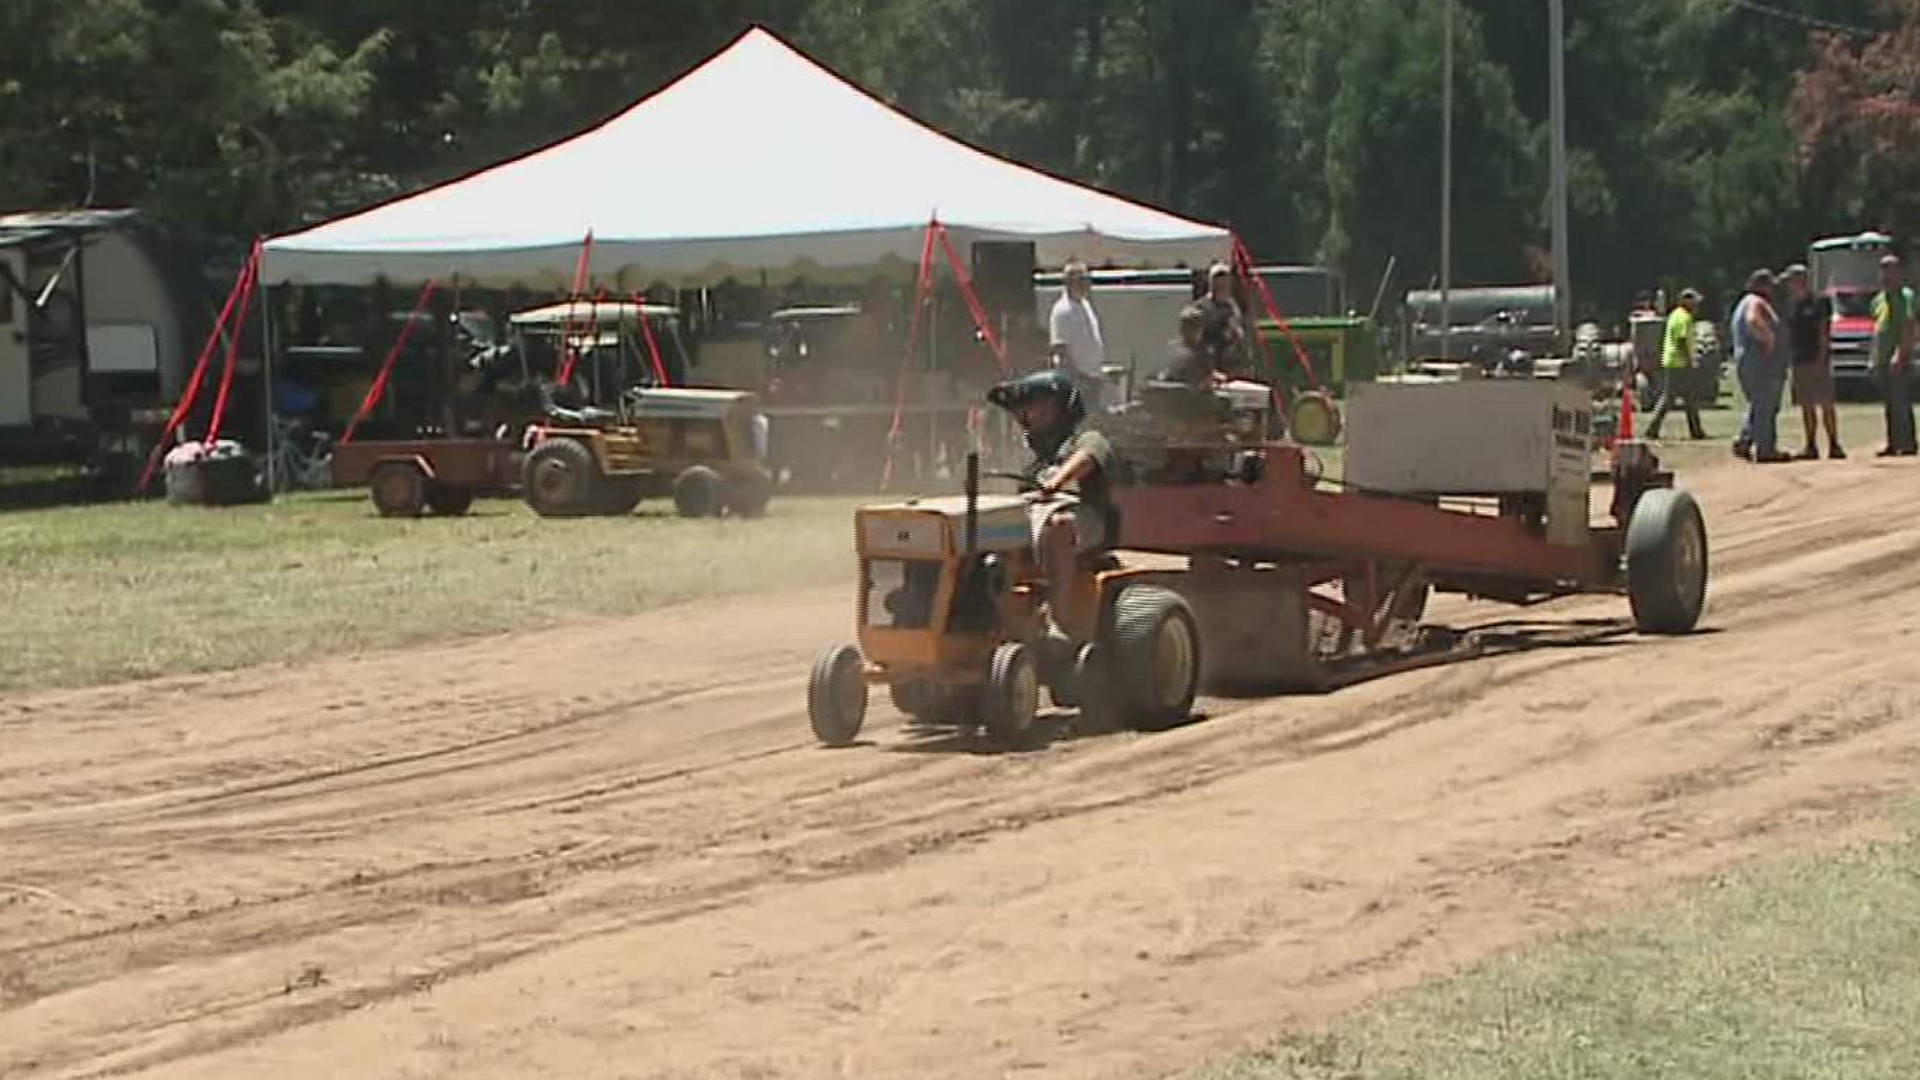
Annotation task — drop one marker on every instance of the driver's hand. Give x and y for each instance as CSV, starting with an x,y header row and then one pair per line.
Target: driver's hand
x,y
1042,495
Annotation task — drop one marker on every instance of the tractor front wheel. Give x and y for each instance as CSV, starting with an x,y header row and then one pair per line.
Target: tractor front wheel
x,y
1011,697
1666,562
837,696
1154,649
561,477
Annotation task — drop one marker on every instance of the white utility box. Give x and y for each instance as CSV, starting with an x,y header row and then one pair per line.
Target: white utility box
x,y
1477,437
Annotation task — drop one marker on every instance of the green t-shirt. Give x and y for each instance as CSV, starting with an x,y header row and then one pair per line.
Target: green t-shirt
x,y
1095,511
1678,350
1891,314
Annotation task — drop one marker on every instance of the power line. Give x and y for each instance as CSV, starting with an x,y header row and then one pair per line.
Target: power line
x,y
1809,21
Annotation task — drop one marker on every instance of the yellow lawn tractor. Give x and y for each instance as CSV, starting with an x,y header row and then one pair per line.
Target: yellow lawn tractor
x,y
957,621
704,447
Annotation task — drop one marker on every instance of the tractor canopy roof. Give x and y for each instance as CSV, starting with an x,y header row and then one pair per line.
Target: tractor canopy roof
x,y
602,312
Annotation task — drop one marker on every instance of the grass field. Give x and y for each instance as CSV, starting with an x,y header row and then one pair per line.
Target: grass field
x,y
1804,969
123,591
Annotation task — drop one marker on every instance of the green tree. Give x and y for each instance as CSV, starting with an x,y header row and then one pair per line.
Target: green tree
x,y
1384,151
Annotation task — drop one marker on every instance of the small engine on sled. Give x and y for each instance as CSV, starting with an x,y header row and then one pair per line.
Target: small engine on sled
x,y
1174,433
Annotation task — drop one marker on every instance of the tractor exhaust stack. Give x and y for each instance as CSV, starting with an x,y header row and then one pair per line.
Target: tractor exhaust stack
x,y
973,502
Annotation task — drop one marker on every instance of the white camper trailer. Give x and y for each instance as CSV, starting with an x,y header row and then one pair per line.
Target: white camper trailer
x,y
95,322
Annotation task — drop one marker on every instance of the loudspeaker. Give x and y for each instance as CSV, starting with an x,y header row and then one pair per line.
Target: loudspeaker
x,y
1003,275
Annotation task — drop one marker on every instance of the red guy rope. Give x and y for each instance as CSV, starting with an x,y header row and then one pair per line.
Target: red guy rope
x,y
379,387
923,288
191,392
646,331
1244,262
251,275
974,306
573,298
592,336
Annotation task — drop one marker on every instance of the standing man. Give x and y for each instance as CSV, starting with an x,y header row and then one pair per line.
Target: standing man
x,y
1756,363
1075,342
1809,320
1677,374
1893,351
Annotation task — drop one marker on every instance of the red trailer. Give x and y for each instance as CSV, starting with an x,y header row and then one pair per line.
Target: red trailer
x,y
1481,489
408,477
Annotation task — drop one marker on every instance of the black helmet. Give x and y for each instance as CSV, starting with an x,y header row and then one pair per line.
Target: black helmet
x,y
1054,383
1015,394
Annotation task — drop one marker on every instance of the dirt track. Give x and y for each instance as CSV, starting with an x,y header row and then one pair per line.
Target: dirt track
x,y
613,850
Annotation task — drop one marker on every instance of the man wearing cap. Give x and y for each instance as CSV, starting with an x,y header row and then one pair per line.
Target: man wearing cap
x,y
1808,320
1223,330
1188,360
1756,363
1893,350
1676,367
1076,343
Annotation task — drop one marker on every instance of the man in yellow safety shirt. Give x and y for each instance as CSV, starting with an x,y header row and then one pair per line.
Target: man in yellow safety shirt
x,y
1677,374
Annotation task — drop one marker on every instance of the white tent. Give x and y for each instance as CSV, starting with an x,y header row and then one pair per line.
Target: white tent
x,y
760,159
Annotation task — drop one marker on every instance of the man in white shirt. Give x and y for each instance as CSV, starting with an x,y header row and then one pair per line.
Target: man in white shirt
x,y
1074,338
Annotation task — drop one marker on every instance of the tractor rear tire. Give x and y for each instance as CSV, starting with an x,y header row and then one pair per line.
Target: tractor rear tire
x,y
561,479
837,696
1667,566
618,495
1154,652
696,492
748,497
1011,698
932,704
1093,694
449,501
398,489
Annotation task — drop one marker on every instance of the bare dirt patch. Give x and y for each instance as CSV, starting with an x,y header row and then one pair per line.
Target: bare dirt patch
x,y
612,850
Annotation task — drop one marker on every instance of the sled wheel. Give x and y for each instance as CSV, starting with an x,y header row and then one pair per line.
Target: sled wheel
x,y
1666,562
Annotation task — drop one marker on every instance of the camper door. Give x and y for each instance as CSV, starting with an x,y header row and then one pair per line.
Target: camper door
x,y
16,361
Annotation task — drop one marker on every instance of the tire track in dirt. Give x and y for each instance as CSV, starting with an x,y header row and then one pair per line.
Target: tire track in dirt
x,y
682,833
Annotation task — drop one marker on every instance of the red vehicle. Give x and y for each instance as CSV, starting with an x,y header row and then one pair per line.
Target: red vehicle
x,y
408,477
1846,270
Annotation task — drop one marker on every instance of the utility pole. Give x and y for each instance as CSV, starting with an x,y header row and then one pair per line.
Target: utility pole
x,y
1557,73
1446,189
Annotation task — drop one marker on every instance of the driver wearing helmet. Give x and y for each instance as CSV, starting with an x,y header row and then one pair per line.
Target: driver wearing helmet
x,y
1050,411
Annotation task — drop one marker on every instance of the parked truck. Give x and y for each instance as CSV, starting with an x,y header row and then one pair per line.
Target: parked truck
x,y
1846,270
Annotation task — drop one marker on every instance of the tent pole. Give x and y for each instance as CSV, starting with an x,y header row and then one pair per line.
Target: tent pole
x,y
266,369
